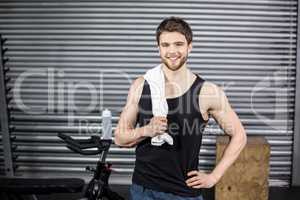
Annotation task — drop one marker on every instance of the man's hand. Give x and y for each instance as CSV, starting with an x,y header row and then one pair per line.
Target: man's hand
x,y
200,180
156,126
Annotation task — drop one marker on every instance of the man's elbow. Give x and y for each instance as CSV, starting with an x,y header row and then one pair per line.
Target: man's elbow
x,y
118,139
240,139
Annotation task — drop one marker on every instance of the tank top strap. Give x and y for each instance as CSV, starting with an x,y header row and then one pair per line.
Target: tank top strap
x,y
195,89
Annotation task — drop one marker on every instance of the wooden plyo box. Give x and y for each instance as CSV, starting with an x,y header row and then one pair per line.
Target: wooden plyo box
x,y
247,178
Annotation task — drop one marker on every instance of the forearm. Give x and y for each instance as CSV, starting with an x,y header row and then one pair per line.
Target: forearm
x,y
130,137
234,148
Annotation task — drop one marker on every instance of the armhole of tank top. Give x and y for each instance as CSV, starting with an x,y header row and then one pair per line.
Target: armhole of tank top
x,y
139,101
143,90
198,97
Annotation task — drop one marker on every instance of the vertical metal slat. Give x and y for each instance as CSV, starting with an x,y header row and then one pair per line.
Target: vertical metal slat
x,y
8,165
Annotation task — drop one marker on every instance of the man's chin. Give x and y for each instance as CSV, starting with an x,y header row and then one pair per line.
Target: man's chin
x,y
174,67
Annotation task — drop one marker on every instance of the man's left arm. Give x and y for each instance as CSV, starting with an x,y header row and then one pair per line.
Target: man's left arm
x,y
220,109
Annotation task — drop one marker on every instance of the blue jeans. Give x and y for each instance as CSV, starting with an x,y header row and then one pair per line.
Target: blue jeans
x,y
138,192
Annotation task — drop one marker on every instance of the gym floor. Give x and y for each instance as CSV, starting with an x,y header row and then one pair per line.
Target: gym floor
x,y
275,193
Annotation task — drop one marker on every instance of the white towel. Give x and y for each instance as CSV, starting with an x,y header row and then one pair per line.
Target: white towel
x,y
156,79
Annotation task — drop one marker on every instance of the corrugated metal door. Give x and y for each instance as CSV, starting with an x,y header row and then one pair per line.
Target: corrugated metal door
x,y
1,155
70,59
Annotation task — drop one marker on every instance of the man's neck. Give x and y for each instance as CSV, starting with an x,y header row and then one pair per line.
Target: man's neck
x,y
180,75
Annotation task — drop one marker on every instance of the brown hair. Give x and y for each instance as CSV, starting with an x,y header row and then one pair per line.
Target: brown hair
x,y
175,24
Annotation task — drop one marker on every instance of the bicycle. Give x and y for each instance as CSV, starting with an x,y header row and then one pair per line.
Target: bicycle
x,y
97,188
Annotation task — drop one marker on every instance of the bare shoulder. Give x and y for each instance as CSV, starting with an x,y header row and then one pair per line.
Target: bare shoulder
x,y
209,89
213,97
135,90
138,82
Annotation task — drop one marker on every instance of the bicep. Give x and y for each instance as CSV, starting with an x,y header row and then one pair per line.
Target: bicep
x,y
128,116
129,113
224,115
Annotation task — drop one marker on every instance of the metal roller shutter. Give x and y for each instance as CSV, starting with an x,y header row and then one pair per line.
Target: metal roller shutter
x,y
70,59
1,156
1,140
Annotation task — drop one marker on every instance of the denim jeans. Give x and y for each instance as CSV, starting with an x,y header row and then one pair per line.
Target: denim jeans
x,y
138,192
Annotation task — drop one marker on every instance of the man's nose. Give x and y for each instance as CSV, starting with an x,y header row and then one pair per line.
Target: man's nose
x,y
172,49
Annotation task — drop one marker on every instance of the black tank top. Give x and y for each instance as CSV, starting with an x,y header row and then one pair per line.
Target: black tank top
x,y
164,168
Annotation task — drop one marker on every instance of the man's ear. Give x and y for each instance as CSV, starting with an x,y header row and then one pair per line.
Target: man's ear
x,y
190,47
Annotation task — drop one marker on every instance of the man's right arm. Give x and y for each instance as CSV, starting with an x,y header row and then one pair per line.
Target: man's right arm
x,y
126,135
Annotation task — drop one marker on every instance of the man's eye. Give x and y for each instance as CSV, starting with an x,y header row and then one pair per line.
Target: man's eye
x,y
164,45
179,44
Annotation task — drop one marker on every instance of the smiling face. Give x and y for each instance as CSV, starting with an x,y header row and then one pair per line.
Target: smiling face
x,y
173,49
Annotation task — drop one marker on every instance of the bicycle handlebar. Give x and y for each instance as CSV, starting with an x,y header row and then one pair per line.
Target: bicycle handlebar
x,y
79,145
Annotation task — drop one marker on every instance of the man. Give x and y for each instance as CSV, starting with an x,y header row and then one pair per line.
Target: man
x,y
171,171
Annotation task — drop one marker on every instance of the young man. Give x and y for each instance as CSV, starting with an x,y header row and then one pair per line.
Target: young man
x,y
171,171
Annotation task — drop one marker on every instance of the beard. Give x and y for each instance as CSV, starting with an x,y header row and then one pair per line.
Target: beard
x,y
174,67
